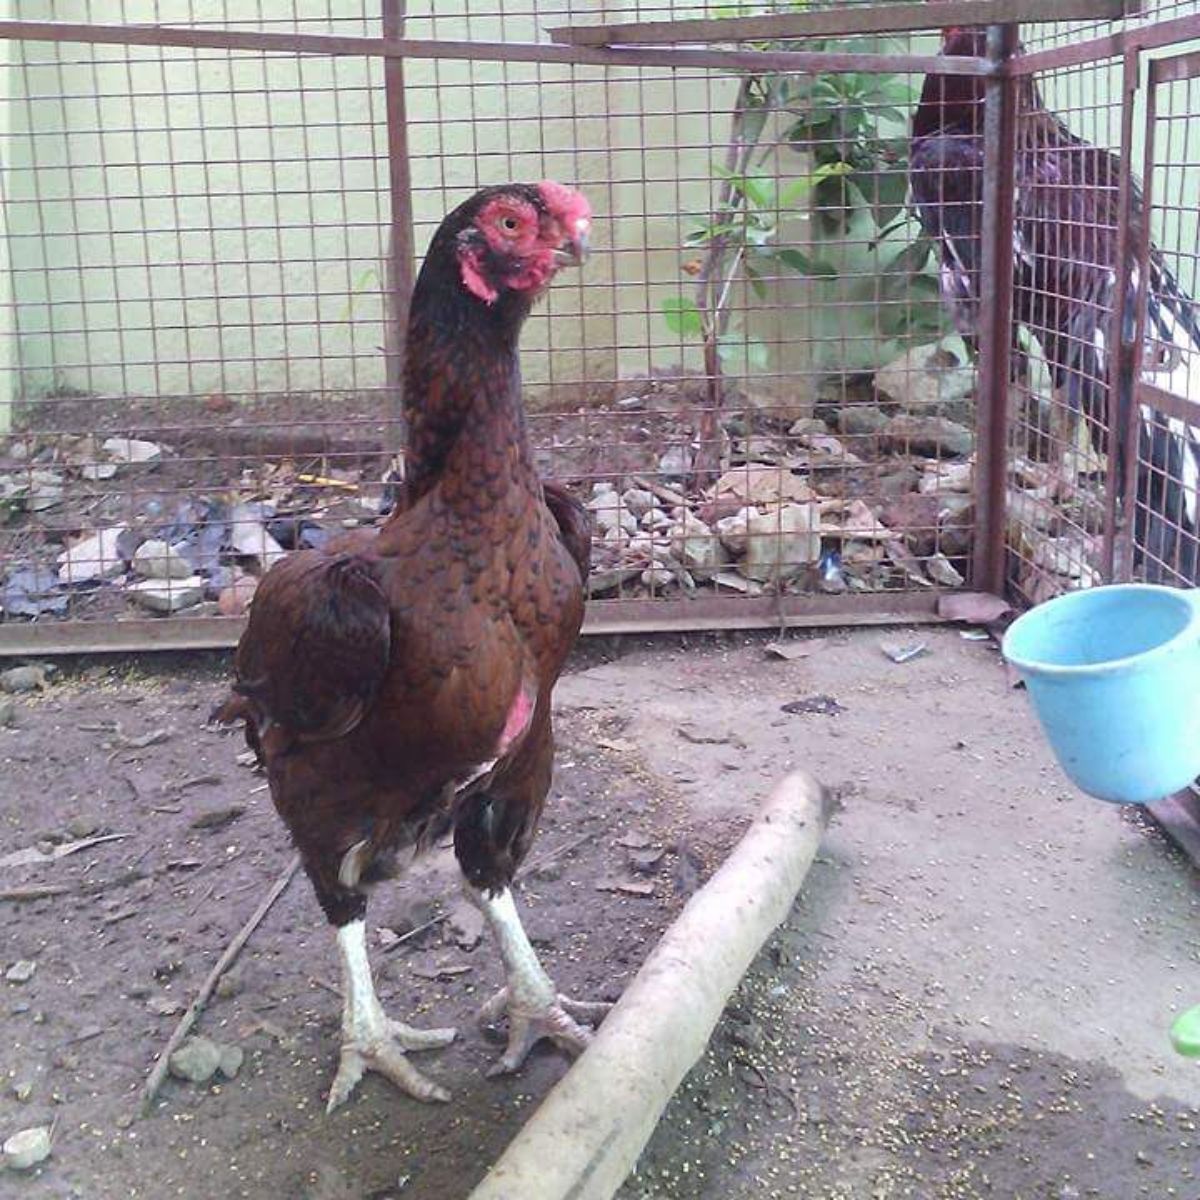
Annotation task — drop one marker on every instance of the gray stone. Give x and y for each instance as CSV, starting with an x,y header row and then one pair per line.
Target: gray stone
x,y
95,557
638,501
197,1060
8,712
696,546
249,536
132,450
861,419
26,1149
733,531
927,379
22,971
780,544
231,1061
45,491
676,463
610,514
935,436
156,559
23,679
82,825
167,595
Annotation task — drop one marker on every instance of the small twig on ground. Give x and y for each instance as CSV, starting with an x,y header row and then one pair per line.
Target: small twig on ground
x,y
159,1072
543,860
208,891
19,895
324,983
412,933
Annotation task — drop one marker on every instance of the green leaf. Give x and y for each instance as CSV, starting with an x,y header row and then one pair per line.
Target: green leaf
x,y
682,316
738,352
804,265
755,279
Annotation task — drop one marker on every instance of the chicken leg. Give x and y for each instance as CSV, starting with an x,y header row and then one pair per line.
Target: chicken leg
x,y
371,1041
534,1006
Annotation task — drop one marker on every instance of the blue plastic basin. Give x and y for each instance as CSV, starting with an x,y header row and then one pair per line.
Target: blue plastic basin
x,y
1114,676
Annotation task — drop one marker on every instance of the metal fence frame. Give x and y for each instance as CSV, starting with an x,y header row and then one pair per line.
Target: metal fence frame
x,y
1000,69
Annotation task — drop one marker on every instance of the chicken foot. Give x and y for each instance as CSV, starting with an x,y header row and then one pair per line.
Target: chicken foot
x,y
372,1041
534,1006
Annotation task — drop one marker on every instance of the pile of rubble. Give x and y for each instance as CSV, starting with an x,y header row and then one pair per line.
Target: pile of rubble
x,y
872,490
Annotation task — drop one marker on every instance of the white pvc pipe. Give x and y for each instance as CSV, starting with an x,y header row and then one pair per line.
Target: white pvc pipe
x,y
587,1134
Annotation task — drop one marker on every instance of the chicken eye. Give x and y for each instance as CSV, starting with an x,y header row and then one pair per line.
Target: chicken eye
x,y
509,224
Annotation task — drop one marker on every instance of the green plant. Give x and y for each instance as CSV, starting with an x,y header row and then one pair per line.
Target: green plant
x,y
851,129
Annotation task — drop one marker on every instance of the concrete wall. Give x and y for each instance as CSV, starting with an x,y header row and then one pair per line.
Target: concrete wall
x,y
192,222
8,347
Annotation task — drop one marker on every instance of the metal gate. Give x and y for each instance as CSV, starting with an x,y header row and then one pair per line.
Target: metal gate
x,y
754,385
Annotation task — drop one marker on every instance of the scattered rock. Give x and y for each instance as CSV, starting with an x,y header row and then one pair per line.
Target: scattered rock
x,y
235,599
22,971
197,1060
26,1149
902,653
928,379
676,463
8,712
820,705
158,559
861,420
627,887
45,491
609,512
94,557
638,501
229,985
24,679
696,546
762,486
938,437
948,477
230,1061
22,1089
132,450
31,591
734,531
83,826
167,595
249,537
781,543
164,1006
942,570
218,817
646,862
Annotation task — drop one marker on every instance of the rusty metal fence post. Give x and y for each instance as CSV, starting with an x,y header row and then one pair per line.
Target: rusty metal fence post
x,y
1122,417
995,310
400,250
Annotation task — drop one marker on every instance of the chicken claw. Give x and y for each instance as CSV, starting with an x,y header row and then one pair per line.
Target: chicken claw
x,y
386,1055
568,1023
534,1007
371,1041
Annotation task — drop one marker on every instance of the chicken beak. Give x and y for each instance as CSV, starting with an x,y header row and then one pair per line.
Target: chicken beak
x,y
574,251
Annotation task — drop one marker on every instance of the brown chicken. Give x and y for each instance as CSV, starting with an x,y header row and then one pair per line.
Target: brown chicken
x,y
396,683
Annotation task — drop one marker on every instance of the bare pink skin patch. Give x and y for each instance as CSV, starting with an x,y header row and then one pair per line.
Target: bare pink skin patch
x,y
473,279
520,715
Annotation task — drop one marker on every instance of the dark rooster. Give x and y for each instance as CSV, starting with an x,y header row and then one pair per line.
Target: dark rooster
x,y
396,683
1065,279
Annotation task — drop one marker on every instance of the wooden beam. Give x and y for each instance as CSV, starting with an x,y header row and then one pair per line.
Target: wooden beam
x,y
839,22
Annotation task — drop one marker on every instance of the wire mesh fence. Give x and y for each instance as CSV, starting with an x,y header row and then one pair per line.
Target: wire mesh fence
x,y
757,382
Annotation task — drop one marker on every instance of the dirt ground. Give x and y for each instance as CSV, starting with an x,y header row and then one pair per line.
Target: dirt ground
x,y
970,999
